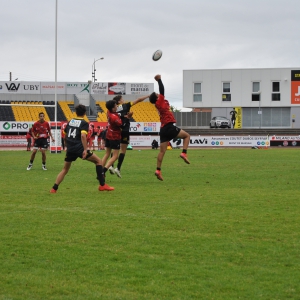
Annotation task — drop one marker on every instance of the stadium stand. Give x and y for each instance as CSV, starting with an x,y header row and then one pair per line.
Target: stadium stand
x,y
6,113
28,113
101,109
66,109
142,112
145,112
51,111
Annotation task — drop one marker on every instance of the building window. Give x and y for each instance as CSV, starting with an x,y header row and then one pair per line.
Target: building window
x,y
226,96
197,92
226,87
255,91
276,91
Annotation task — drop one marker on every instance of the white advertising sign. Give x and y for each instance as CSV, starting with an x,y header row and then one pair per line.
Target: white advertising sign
x,y
206,141
228,141
49,88
139,88
144,126
99,88
11,126
20,87
77,88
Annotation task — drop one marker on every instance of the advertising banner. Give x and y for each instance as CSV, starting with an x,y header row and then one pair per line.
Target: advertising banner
x,y
238,121
20,87
285,141
49,88
99,88
195,141
13,141
105,88
116,88
139,88
295,87
144,127
15,126
77,88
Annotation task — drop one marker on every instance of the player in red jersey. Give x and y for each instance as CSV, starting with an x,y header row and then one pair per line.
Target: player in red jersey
x,y
40,133
29,139
63,127
123,110
168,130
113,134
99,137
91,137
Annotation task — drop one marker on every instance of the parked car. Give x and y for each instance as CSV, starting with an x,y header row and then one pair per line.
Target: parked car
x,y
219,122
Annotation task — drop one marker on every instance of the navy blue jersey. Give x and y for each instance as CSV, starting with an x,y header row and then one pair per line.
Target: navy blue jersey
x,y
73,131
123,110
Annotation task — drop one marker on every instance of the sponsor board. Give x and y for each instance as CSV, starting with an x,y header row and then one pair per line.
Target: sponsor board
x,y
20,87
105,88
285,141
195,141
144,127
99,88
139,88
13,141
11,126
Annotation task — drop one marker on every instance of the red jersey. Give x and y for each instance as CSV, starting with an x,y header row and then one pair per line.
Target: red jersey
x,y
99,131
164,111
41,130
90,133
63,127
114,126
29,134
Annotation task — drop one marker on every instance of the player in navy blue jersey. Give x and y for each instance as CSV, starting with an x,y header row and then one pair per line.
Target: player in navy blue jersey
x,y
123,110
76,141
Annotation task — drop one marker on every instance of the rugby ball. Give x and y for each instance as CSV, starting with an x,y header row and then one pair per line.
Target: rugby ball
x,y
157,55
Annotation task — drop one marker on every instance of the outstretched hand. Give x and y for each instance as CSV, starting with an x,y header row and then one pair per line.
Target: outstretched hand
x,y
157,77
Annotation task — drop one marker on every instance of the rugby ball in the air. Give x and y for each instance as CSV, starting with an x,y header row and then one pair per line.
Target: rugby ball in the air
x,y
157,55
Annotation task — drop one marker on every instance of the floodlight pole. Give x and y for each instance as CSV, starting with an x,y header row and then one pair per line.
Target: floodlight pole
x,y
94,70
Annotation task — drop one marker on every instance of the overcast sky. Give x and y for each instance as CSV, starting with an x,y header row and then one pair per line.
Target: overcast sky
x,y
193,34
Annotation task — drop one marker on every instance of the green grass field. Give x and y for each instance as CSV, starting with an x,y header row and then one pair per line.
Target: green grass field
x,y
224,227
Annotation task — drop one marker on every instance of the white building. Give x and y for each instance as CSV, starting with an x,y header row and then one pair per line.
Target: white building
x,y
263,98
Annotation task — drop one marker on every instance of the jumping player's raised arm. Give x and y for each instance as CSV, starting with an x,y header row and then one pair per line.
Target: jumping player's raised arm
x,y
160,84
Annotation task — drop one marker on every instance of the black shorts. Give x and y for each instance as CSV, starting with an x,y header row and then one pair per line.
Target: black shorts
x,y
112,144
125,138
72,156
41,143
168,132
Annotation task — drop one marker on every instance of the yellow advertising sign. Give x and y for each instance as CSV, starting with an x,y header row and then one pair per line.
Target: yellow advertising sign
x,y
238,121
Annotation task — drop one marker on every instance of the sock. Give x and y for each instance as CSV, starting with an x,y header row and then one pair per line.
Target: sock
x,y
43,163
55,186
158,169
184,151
105,170
120,160
100,174
31,162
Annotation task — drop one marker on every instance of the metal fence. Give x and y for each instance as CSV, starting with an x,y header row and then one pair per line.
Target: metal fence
x,y
192,119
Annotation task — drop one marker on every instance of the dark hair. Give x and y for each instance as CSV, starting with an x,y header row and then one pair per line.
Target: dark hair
x,y
117,98
110,104
80,110
41,113
153,98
